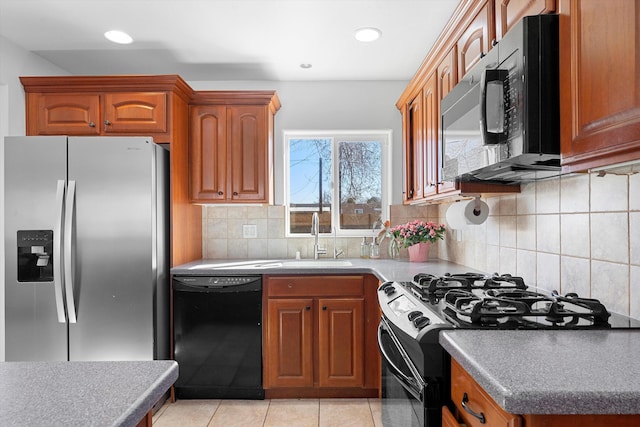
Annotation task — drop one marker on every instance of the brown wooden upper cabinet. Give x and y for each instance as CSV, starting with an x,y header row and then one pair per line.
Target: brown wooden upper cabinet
x,y
231,146
476,39
600,83
509,12
447,80
93,106
414,149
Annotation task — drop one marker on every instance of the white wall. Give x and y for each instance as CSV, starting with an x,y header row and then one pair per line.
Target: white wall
x,y
14,62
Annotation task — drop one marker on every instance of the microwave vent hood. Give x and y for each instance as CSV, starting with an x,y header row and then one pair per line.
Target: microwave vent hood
x,y
501,123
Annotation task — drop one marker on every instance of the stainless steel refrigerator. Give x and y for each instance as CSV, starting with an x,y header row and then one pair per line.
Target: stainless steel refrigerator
x,y
86,248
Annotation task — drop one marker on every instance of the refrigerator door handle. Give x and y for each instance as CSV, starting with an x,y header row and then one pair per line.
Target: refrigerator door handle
x,y
68,244
57,243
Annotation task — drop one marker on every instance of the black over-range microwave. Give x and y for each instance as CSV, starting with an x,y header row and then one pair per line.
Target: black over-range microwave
x,y
502,121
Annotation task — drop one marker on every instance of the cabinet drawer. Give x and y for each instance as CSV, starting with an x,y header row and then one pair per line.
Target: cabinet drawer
x,y
465,389
310,286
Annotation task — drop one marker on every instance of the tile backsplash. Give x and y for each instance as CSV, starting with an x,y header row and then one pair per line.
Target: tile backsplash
x,y
223,233
578,233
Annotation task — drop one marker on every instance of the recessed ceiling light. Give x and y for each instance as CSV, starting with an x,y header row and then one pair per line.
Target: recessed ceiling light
x,y
306,66
119,37
368,34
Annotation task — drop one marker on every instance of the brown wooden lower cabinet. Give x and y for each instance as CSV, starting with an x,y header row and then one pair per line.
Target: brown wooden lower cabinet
x,y
319,336
465,389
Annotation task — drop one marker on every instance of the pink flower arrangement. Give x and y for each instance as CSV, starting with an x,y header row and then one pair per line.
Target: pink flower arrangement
x,y
418,231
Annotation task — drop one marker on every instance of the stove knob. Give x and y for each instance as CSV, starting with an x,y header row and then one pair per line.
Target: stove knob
x,y
385,285
421,321
414,314
389,290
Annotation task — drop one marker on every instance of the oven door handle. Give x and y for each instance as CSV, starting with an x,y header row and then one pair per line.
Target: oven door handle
x,y
414,385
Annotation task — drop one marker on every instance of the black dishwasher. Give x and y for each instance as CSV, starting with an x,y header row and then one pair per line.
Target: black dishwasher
x,y
217,337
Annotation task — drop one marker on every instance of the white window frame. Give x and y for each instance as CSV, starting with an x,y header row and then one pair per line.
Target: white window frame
x,y
385,136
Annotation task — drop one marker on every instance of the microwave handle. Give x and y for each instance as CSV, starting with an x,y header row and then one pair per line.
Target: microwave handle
x,y
492,93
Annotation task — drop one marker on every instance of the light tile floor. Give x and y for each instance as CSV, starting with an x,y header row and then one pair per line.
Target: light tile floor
x,y
270,413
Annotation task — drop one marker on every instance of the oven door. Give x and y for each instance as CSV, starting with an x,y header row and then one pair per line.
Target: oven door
x,y
403,389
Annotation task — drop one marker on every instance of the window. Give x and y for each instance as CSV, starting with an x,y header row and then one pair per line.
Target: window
x,y
343,176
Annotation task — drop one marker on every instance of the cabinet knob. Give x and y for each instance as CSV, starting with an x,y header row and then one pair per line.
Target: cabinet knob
x,y
220,193
324,307
92,125
307,308
107,123
235,193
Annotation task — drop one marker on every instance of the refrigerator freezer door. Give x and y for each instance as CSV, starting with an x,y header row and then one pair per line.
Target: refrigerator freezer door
x,y
112,253
33,166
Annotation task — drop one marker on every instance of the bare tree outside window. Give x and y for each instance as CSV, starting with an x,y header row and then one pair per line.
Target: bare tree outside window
x,y
360,184
356,167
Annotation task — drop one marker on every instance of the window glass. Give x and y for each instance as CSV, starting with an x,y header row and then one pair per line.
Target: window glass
x,y
310,174
360,179
340,176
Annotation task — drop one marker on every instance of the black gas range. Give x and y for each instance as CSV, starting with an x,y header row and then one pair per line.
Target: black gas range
x,y
415,367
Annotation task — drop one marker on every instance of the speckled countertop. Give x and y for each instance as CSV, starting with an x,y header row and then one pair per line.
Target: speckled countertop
x,y
384,269
81,393
553,372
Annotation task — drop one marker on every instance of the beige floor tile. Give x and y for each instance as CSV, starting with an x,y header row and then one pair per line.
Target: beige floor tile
x,y
186,413
376,411
293,413
240,413
345,413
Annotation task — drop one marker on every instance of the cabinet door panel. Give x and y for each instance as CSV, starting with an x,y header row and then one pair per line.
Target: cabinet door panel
x,y
431,119
248,141
341,342
208,153
447,79
65,114
474,42
415,151
448,420
509,12
600,98
289,343
135,113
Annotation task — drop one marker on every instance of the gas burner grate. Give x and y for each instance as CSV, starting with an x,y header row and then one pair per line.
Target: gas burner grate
x,y
520,308
430,284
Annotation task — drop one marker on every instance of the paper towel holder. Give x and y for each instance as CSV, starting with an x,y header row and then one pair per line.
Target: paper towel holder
x,y
465,213
477,206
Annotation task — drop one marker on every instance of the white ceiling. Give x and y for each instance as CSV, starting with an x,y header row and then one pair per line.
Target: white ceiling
x,y
230,39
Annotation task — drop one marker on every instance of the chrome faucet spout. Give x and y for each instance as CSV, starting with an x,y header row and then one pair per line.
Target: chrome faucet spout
x,y
315,231
336,252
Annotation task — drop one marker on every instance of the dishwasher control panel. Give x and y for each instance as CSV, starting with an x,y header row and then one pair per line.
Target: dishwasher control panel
x,y
215,281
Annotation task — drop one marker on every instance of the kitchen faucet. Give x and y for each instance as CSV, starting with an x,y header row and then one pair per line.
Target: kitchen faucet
x,y
315,231
336,252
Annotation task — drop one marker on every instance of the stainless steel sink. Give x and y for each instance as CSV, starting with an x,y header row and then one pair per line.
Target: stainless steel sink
x,y
317,263
265,264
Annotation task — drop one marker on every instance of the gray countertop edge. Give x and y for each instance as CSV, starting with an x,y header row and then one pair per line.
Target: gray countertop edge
x,y
383,269
504,376
82,393
145,402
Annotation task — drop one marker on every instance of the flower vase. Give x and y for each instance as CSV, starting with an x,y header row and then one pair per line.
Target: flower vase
x,y
419,252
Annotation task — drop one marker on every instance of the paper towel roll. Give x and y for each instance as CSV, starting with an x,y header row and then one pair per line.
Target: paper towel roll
x,y
464,213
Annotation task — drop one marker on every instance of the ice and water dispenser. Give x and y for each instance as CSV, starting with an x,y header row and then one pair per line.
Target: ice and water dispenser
x,y
35,255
